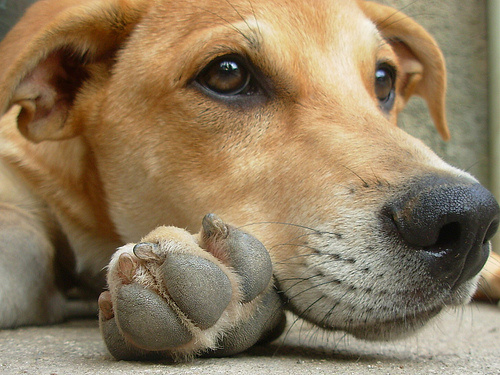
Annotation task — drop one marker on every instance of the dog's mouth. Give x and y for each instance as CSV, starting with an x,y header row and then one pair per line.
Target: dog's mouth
x,y
375,289
394,318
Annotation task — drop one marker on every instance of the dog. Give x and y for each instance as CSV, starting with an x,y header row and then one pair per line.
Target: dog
x,y
270,123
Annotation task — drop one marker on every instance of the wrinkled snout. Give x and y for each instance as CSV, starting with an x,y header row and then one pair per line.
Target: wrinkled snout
x,y
449,222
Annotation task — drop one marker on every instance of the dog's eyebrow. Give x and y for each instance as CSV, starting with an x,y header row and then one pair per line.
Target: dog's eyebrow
x,y
383,45
254,42
253,39
252,35
382,42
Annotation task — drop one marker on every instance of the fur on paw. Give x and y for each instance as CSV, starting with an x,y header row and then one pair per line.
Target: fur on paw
x,y
179,295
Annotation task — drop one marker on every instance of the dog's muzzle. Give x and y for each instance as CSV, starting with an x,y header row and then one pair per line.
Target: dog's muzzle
x,y
449,222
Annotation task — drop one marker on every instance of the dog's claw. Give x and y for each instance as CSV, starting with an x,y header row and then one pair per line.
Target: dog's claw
x,y
146,251
213,226
171,297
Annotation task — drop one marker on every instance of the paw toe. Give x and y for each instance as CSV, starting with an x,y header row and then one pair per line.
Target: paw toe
x,y
146,319
246,254
198,287
106,306
126,268
251,261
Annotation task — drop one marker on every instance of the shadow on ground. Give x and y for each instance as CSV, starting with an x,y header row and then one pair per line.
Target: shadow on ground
x,y
465,341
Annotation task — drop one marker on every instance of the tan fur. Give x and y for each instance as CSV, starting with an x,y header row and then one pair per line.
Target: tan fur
x,y
127,143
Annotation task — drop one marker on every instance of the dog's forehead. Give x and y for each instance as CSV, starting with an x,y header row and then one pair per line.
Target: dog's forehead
x,y
326,23
307,34
319,37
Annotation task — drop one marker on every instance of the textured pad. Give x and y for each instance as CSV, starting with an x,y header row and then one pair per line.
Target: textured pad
x,y
198,287
147,320
247,255
251,261
266,324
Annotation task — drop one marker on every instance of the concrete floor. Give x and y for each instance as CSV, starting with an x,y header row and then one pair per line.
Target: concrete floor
x,y
465,341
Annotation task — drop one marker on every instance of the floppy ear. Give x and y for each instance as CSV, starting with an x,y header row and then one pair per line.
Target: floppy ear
x,y
44,58
421,60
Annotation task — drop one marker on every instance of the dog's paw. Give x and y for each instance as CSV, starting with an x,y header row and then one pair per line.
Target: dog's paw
x,y
178,295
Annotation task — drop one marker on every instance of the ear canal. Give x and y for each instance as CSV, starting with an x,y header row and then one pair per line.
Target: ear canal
x,y
397,27
44,55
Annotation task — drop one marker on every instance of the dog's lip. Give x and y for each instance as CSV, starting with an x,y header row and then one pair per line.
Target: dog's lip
x,y
409,306
385,328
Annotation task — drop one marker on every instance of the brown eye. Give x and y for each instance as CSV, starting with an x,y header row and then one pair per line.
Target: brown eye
x,y
226,75
385,84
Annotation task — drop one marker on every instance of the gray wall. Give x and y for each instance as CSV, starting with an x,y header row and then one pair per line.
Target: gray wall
x,y
460,28
10,12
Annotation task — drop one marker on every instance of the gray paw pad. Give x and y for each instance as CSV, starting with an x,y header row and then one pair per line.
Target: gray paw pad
x,y
251,261
199,288
247,255
147,320
266,324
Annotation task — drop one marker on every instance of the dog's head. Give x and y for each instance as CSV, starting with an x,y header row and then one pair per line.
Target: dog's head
x,y
277,115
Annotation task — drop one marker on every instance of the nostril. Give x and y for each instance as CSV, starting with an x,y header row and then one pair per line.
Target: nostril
x,y
449,237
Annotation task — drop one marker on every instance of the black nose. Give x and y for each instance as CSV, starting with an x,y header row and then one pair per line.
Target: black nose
x,y
450,221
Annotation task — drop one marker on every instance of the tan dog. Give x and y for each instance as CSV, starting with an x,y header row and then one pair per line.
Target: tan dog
x,y
280,116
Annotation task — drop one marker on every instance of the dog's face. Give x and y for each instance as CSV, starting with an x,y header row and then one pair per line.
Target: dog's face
x,y
279,116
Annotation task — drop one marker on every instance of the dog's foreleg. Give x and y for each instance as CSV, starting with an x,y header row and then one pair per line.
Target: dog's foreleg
x,y
177,295
28,292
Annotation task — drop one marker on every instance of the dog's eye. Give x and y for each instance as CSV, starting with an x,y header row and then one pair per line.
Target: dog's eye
x,y
385,83
227,75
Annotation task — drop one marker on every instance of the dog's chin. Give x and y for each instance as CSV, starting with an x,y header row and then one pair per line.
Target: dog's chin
x,y
394,329
408,325
375,327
